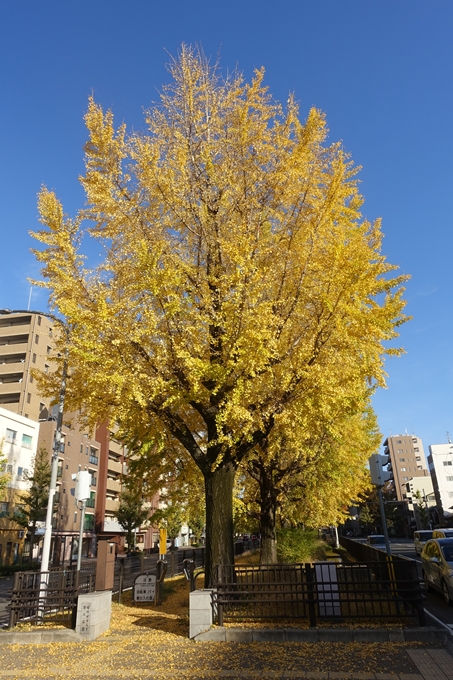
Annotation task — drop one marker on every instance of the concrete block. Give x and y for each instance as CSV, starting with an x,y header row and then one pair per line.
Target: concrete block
x,y
269,635
301,635
93,614
433,635
212,635
238,635
200,611
371,635
335,635
28,638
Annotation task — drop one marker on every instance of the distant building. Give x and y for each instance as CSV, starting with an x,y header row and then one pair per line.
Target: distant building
x,y
26,342
407,459
18,442
440,461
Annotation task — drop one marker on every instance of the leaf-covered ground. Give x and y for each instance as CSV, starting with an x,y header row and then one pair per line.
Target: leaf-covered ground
x,y
151,642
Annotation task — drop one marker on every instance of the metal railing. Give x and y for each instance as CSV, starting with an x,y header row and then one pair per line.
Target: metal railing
x,y
319,592
39,596
50,595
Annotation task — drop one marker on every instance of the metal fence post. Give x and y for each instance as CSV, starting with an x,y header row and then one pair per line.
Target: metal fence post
x,y
311,594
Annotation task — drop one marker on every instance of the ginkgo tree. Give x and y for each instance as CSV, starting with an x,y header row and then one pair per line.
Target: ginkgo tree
x,y
236,270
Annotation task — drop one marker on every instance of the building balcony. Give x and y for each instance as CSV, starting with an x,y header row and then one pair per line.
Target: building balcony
x,y
111,505
10,388
113,485
115,466
12,346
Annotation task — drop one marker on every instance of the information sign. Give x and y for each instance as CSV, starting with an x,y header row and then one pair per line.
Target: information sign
x,y
145,588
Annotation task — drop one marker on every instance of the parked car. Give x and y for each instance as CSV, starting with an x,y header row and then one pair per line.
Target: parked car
x,y
376,541
420,538
443,533
437,566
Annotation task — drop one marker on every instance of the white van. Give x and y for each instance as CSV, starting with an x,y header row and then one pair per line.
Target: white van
x,y
420,538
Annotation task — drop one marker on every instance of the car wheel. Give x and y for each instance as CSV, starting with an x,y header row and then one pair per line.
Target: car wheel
x,y
428,585
446,593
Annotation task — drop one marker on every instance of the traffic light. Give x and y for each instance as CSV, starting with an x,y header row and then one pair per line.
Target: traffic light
x,y
379,475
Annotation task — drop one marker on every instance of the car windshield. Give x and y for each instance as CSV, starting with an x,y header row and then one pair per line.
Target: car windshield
x,y
448,552
375,539
448,534
424,535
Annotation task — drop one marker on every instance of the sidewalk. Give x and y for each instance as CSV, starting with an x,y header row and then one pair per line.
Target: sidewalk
x,y
140,649
151,642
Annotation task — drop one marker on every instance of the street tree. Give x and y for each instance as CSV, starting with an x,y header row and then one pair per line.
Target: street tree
x,y
32,506
236,275
132,513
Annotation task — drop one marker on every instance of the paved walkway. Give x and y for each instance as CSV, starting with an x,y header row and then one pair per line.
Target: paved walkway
x,y
145,654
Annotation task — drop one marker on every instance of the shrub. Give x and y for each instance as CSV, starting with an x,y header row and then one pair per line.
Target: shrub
x,y
295,544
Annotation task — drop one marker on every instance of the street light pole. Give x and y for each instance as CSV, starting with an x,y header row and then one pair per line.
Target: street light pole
x,y
57,438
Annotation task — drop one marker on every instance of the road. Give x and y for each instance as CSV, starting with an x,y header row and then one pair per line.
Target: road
x,y
439,612
435,606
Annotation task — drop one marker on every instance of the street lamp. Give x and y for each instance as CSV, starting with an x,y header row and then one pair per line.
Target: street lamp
x,y
57,438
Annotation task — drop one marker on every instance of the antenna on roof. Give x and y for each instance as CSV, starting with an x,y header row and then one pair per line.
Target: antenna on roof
x,y
448,437
29,298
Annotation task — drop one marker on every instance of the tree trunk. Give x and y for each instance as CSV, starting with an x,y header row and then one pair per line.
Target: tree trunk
x,y
219,520
268,514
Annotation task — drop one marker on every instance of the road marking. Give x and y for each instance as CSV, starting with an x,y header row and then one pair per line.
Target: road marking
x,y
447,626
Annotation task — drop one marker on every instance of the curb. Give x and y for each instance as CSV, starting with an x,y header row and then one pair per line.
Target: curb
x,y
39,637
425,634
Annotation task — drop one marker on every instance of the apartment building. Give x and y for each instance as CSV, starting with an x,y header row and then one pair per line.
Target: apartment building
x,y
26,342
440,462
18,443
407,458
78,451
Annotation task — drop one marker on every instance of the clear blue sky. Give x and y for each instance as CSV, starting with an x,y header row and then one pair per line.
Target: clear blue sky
x,y
382,72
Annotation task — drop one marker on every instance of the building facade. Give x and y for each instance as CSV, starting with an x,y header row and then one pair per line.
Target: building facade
x,y
19,442
26,342
407,459
440,461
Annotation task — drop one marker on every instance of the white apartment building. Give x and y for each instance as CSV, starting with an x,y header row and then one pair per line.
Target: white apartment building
x,y
440,462
18,440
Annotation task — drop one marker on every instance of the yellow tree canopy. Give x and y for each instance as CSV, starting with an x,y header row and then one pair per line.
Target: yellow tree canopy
x,y
235,267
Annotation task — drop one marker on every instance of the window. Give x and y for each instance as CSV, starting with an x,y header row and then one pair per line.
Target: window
x,y
416,450
36,339
46,368
402,460
20,471
450,494
64,490
34,358
88,524
398,441
49,349
69,443
26,473
93,480
39,320
449,478
11,435
28,397
31,378
81,448
93,456
405,479
419,467
446,462
75,517
3,509
50,332
27,441
402,469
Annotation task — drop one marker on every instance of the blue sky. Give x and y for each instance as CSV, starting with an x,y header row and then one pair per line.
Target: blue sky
x,y
381,70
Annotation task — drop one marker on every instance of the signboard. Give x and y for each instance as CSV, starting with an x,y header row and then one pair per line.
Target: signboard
x,y
327,586
145,588
162,542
